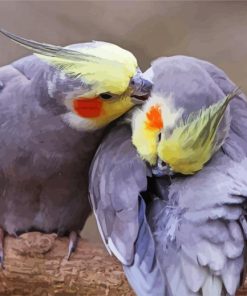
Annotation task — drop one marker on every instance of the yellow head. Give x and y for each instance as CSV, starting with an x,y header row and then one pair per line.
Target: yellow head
x,y
183,146
109,77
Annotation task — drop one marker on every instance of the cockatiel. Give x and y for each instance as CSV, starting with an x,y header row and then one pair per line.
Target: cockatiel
x,y
54,106
181,234
175,144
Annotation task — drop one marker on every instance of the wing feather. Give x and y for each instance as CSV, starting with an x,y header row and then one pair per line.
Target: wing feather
x,y
117,178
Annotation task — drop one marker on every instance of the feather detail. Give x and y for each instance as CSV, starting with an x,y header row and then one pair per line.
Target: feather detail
x,y
212,286
144,138
48,49
93,64
148,123
193,142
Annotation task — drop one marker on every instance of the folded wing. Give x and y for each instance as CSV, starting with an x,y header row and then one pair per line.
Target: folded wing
x,y
117,179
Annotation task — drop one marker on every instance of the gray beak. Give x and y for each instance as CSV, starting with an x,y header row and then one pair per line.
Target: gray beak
x,y
141,88
162,169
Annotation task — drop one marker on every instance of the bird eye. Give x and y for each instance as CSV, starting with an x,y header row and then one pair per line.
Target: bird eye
x,y
132,82
162,164
105,96
159,137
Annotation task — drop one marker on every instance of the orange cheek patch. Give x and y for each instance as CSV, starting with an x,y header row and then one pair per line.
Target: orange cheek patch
x,y
154,118
88,108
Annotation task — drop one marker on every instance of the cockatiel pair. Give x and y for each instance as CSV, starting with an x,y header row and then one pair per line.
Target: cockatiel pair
x,y
54,107
175,236
170,205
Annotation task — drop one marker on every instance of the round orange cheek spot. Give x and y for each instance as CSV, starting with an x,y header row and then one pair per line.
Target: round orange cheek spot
x,y
88,108
154,118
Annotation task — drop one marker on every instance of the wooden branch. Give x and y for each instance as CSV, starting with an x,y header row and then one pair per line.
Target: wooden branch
x,y
35,264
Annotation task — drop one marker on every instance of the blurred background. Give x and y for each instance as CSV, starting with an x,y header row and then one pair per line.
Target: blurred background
x,y
210,30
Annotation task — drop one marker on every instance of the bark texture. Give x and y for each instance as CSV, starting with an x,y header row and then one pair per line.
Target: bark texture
x,y
36,264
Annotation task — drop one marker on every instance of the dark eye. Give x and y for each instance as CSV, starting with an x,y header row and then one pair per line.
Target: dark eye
x,y
105,96
132,82
159,137
162,164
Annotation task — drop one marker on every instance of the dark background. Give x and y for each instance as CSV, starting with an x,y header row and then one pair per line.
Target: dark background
x,y
210,30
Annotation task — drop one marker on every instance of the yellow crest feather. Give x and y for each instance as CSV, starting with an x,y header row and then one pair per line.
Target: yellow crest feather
x,y
193,142
106,66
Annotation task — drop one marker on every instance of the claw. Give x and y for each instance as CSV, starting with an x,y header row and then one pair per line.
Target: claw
x,y
73,239
1,248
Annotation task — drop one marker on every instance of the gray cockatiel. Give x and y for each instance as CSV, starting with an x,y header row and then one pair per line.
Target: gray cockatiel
x,y
176,235
53,110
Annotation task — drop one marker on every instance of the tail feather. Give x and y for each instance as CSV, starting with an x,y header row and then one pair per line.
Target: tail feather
x,y
212,286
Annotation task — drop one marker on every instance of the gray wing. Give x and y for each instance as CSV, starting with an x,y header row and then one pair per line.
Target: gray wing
x,y
198,233
117,178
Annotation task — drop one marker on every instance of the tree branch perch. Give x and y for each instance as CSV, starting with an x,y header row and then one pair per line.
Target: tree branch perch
x,y
35,264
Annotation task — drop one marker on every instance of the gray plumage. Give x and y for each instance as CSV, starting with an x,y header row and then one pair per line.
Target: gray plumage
x,y
44,167
118,176
196,229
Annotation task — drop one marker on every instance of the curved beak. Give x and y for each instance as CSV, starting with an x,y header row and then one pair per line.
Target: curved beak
x,y
161,169
141,88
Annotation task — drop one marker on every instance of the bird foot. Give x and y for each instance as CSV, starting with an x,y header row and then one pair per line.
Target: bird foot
x,y
1,247
73,239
